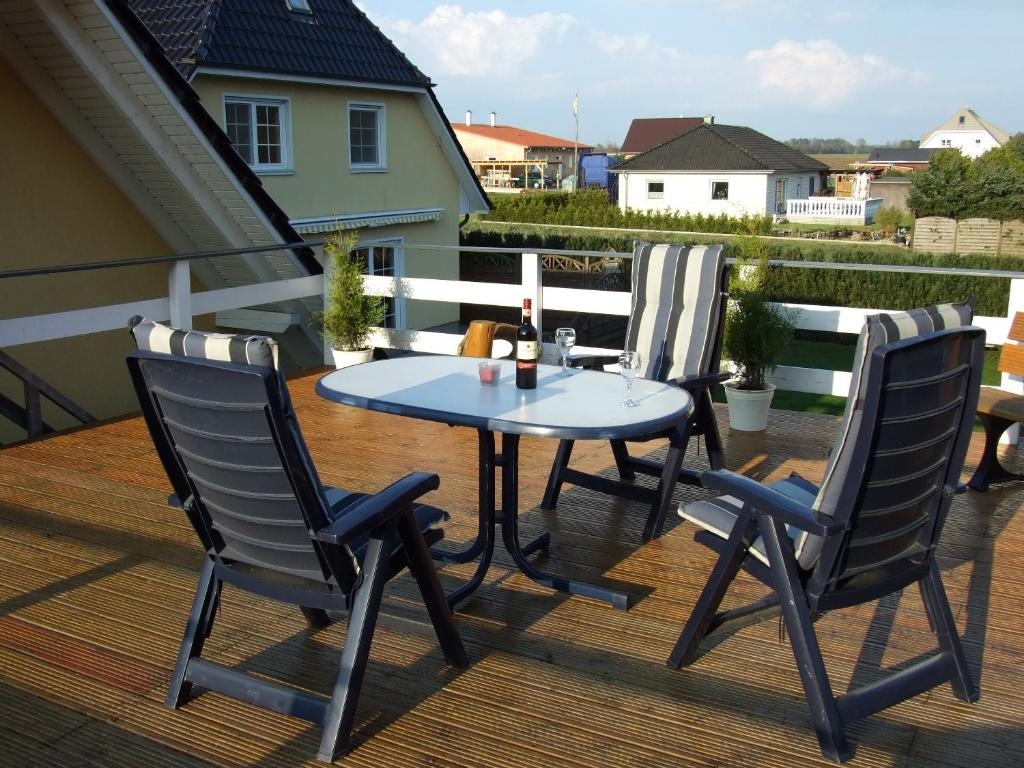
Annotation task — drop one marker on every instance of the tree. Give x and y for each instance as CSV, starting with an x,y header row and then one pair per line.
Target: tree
x,y
941,189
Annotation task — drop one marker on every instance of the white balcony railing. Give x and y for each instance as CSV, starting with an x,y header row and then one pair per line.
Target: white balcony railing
x,y
833,210
181,305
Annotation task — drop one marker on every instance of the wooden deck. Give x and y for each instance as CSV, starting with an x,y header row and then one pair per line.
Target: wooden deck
x,y
97,575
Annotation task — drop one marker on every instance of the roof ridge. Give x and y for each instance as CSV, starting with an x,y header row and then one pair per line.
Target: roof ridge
x,y
732,143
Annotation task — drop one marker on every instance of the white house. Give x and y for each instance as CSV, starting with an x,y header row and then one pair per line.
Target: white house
x,y
718,169
967,132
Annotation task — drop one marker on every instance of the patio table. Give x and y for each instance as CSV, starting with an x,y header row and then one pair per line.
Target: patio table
x,y
585,405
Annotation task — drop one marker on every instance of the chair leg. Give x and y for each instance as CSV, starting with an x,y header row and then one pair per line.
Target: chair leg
x,y
687,646
940,616
200,621
707,424
621,454
990,470
316,617
667,484
554,486
828,722
362,619
422,567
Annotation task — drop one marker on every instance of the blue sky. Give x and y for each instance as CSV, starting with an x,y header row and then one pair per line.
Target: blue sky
x,y
867,69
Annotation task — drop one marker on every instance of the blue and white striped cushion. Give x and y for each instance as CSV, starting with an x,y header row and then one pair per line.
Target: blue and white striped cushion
x,y
151,336
677,302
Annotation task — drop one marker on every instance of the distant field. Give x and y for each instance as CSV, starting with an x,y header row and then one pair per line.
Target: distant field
x,y
841,162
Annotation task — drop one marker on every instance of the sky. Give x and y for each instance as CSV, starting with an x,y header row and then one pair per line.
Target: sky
x,y
861,69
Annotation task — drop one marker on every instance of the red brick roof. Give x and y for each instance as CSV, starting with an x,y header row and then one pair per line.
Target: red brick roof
x,y
515,135
647,132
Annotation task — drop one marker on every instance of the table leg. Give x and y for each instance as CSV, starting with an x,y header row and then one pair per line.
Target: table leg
x,y
483,547
510,534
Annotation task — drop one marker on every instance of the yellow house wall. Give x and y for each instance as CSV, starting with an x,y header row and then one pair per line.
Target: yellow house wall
x,y
57,207
322,183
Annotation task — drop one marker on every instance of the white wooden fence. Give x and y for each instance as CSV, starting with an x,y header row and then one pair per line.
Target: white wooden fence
x,y
833,210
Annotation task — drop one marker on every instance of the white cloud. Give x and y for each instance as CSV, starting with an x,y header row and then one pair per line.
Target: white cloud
x,y
820,72
452,41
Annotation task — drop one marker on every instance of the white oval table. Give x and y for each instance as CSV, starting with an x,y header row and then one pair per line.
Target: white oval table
x,y
586,405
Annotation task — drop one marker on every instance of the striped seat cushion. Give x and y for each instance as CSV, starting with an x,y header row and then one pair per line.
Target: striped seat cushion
x,y
677,301
151,336
717,514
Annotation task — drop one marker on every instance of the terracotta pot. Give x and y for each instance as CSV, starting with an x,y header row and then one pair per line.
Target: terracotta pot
x,y
344,358
748,408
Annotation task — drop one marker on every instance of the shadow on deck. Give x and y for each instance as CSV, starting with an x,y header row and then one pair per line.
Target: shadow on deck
x,y
97,575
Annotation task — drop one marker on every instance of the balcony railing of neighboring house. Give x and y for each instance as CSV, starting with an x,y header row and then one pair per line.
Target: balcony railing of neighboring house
x,y
182,304
833,210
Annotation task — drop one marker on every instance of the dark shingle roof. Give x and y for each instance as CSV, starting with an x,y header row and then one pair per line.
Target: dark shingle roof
x,y
647,132
917,155
336,41
722,148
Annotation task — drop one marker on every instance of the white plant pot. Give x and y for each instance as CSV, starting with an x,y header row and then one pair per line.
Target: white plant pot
x,y
344,358
748,408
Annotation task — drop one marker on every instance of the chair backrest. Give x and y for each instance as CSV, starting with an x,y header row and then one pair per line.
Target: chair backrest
x,y
1011,359
908,450
677,314
228,439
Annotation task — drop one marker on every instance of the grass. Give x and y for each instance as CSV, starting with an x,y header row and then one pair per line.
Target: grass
x,y
837,357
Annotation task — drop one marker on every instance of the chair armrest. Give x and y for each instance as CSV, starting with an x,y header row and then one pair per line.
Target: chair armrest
x,y
374,511
770,501
691,383
592,362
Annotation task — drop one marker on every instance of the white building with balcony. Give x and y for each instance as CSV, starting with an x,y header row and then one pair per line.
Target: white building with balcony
x,y
718,169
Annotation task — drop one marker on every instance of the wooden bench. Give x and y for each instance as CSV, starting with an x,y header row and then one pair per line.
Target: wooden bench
x,y
999,410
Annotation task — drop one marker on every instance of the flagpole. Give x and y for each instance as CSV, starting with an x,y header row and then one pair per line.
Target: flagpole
x,y
576,146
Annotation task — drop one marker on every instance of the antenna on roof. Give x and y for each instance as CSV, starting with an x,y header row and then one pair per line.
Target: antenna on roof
x,y
469,117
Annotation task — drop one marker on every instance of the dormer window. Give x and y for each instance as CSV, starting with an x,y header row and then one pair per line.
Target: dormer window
x,y
962,119
299,6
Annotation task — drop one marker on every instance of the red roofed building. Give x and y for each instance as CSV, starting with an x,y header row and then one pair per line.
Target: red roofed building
x,y
506,157
648,132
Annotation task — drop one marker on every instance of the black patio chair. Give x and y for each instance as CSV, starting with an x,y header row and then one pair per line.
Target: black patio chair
x,y
229,441
677,323
871,529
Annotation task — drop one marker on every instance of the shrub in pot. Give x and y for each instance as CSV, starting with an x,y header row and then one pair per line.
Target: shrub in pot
x,y
349,313
757,333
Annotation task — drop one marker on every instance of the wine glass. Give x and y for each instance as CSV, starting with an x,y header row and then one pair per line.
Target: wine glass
x,y
565,338
629,366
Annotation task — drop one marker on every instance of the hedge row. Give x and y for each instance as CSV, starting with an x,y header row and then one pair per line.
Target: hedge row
x,y
828,287
591,208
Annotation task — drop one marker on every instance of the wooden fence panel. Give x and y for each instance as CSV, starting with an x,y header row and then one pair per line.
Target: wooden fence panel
x,y
1011,240
935,234
979,236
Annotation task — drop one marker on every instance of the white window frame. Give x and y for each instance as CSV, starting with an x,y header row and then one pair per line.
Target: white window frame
x,y
382,145
397,244
656,195
711,190
283,103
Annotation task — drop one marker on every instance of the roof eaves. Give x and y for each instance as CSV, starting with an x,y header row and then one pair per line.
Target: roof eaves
x,y
189,99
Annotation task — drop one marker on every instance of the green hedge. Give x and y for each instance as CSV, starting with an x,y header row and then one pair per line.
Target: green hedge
x,y
591,208
829,287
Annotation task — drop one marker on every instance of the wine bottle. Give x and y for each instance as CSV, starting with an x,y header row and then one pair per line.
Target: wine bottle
x,y
527,350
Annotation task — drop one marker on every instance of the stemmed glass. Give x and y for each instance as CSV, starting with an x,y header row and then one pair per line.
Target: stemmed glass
x,y
629,366
565,338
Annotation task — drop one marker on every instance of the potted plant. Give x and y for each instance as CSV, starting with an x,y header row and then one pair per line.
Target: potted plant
x,y
349,313
756,334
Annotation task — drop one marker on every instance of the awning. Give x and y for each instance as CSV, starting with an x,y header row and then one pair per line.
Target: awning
x,y
317,224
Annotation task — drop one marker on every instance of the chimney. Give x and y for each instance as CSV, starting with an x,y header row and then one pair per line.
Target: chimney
x,y
494,119
469,117
709,119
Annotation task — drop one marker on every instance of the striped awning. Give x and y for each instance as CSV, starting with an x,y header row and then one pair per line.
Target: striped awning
x,y
317,224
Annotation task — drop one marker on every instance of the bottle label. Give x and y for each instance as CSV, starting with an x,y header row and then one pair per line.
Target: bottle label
x,y
527,354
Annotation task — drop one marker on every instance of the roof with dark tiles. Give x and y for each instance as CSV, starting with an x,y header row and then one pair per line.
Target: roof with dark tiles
x,y
916,155
713,147
336,41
